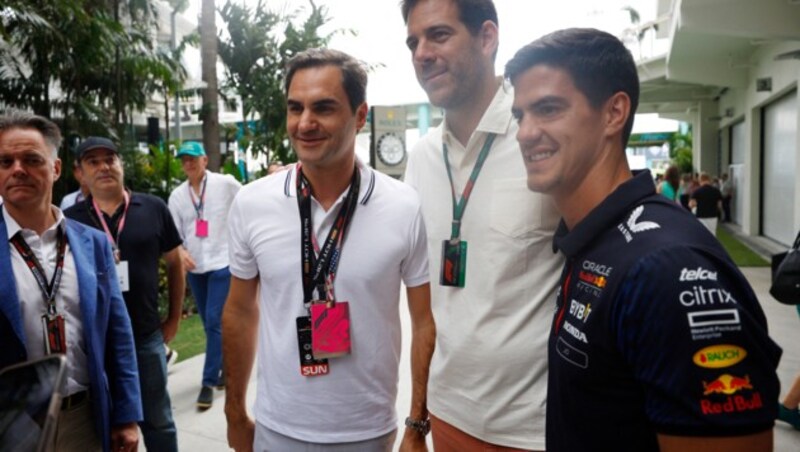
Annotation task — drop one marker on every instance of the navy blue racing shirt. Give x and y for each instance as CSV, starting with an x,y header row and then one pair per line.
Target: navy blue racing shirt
x,y
656,331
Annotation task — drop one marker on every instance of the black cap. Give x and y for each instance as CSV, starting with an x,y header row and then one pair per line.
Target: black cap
x,y
95,143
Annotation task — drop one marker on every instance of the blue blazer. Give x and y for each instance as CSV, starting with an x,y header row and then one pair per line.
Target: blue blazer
x,y
107,333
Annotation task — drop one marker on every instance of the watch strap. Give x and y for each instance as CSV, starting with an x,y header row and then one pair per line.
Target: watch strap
x,y
422,426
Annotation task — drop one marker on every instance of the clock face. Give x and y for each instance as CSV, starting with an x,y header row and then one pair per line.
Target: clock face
x,y
391,149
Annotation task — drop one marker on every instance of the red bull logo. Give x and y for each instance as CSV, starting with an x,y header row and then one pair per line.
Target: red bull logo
x,y
727,384
591,278
719,356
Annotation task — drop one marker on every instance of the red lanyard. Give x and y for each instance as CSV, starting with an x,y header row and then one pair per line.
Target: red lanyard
x,y
120,223
198,206
319,265
50,289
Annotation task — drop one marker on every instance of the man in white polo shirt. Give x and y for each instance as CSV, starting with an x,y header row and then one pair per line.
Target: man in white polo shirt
x,y
325,246
200,207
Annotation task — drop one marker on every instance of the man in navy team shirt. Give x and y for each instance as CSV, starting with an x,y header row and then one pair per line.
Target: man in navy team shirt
x,y
658,342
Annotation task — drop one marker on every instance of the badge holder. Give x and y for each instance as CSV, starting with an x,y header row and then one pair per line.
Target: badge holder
x,y
454,263
201,228
55,340
309,367
330,329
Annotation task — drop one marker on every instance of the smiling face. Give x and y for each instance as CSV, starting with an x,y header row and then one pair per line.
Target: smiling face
x,y
102,171
321,125
561,137
27,169
450,63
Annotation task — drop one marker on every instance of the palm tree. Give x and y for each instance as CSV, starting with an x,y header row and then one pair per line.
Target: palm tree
x,y
208,56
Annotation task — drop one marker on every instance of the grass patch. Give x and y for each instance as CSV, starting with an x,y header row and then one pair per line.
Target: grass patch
x,y
191,338
742,255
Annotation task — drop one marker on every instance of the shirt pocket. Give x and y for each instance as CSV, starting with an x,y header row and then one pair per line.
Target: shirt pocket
x,y
519,213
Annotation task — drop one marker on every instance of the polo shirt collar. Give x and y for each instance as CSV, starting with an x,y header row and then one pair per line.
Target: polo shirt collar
x,y
497,117
364,192
605,215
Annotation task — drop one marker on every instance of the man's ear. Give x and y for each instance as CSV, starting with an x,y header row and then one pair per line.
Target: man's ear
x,y
56,169
617,111
361,115
489,38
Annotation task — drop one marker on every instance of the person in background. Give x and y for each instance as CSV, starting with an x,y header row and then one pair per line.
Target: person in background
x,y
636,363
671,185
70,199
141,232
706,203
727,196
200,207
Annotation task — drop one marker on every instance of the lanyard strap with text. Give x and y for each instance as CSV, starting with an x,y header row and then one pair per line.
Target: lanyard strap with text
x,y
120,222
50,289
198,206
320,271
459,206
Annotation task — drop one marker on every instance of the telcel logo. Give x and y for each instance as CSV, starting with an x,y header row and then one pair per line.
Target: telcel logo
x,y
698,274
719,356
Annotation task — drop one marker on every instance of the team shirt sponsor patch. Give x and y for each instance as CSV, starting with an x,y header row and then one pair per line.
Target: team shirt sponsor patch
x,y
719,356
633,226
729,394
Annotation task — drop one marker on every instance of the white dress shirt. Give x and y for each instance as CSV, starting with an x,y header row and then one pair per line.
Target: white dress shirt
x,y
33,305
488,371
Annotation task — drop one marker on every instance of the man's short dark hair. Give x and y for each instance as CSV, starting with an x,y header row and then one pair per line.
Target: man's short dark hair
x,y
473,13
598,62
354,76
17,119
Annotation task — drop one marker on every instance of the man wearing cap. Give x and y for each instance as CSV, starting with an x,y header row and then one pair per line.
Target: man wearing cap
x,y
58,274
200,207
141,231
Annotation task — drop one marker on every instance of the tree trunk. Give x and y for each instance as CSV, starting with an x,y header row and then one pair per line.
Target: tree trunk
x,y
208,54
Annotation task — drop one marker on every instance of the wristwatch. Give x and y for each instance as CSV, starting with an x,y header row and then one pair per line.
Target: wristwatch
x,y
421,426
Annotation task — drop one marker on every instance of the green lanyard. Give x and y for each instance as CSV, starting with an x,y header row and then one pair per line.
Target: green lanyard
x,y
460,205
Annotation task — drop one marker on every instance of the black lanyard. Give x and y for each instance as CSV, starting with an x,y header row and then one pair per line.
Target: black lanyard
x,y
459,206
320,271
50,289
198,207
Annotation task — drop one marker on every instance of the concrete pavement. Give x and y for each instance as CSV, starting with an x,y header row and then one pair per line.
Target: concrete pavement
x,y
206,430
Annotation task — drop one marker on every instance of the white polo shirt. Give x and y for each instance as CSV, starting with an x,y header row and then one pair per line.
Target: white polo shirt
x,y
488,372
209,253
385,244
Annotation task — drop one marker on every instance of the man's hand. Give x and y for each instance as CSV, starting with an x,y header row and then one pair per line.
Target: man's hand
x,y
188,263
169,328
413,441
125,437
241,434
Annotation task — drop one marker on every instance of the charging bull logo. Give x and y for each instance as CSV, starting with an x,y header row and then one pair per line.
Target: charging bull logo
x,y
595,280
727,384
723,397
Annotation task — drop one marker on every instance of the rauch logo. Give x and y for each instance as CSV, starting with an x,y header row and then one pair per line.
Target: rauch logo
x,y
719,356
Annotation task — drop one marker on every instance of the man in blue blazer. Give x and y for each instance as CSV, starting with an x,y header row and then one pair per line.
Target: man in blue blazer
x,y
60,275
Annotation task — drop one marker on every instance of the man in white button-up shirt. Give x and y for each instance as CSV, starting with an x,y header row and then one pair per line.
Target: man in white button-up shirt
x,y
488,373
200,207
57,272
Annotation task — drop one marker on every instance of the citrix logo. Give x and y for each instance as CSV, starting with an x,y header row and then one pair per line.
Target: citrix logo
x,y
700,296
